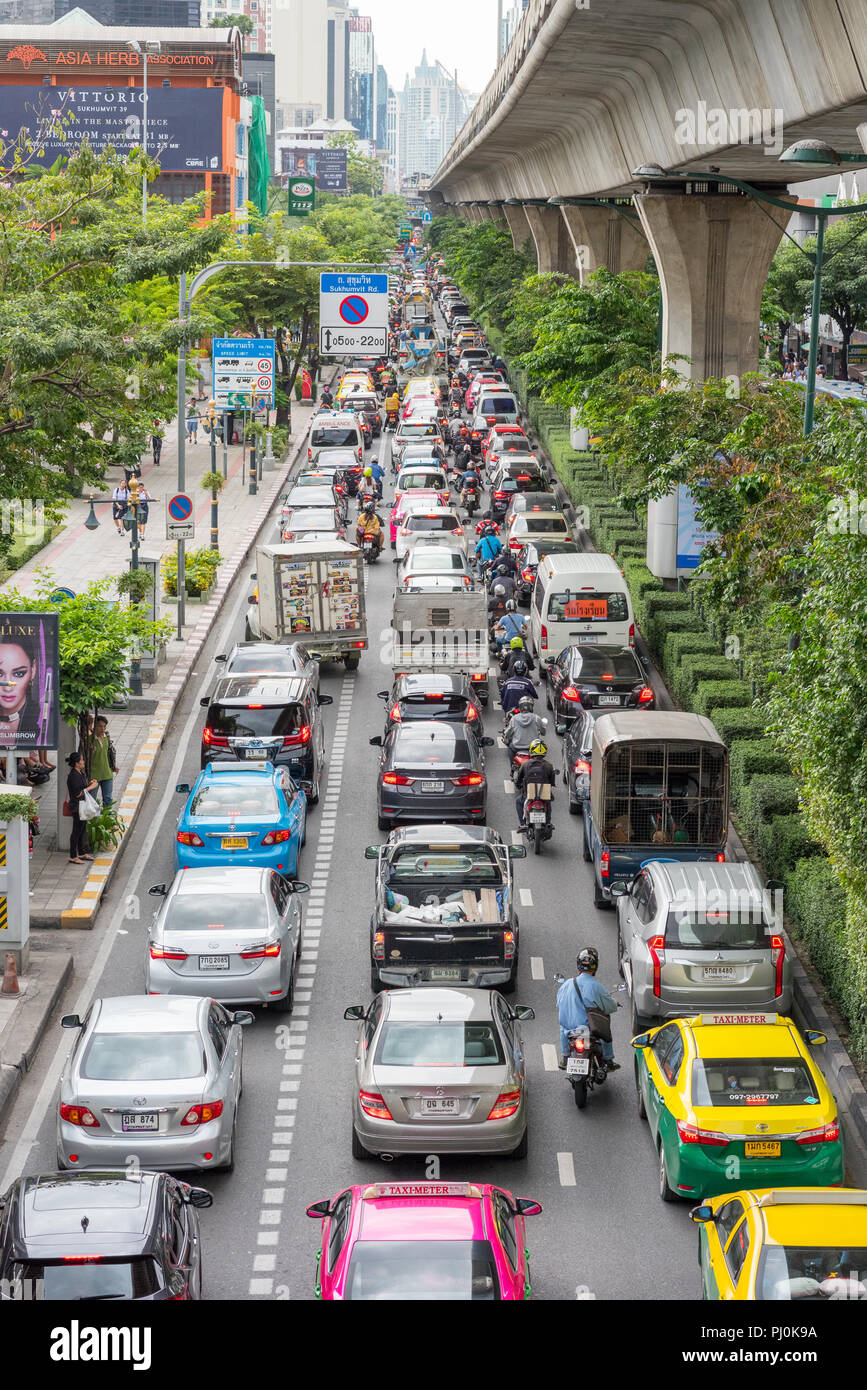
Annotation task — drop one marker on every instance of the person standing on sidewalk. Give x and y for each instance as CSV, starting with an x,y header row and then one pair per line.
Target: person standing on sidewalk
x,y
120,506
157,441
76,785
144,497
192,423
100,753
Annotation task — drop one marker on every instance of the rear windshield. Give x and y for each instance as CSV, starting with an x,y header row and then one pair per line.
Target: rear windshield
x,y
433,747
443,867
96,1278
811,1273
268,721
554,525
424,1271
143,1057
217,800
571,607
737,1082
497,405
717,931
223,912
434,560
595,664
334,437
419,429
444,522
439,1045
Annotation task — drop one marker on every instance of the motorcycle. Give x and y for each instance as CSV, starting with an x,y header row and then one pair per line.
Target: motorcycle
x,y
470,499
586,1067
364,496
537,814
391,417
456,410
370,550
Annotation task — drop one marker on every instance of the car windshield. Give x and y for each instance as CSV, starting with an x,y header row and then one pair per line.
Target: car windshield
x,y
414,1044
334,436
97,1277
439,867
418,429
569,607
242,799
222,912
541,525
255,722
811,1273
442,744
737,1082
143,1057
726,929
429,1271
433,560
598,664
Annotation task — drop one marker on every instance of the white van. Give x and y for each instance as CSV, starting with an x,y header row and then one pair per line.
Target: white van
x,y
579,598
335,429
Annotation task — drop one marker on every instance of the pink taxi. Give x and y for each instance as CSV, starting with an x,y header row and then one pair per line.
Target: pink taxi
x,y
423,1242
430,498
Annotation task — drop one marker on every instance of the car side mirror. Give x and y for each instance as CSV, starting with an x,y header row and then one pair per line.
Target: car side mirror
x,y
298,887
159,890
523,1013
222,657
183,787
254,575
375,742
702,1213
488,742
619,890
372,852
252,599
355,1013
527,1206
243,1017
814,1038
775,885
326,699
517,851
71,1021
199,1197
205,701
641,1041
382,694
319,1210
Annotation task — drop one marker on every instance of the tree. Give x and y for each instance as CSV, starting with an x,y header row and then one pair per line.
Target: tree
x,y
784,301
844,278
242,22
486,264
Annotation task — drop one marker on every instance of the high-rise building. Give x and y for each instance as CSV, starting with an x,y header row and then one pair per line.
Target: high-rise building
x,y
361,104
259,11
312,42
511,19
381,128
162,14
393,114
433,109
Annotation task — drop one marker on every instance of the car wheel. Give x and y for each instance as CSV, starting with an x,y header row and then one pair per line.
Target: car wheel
x,y
287,1003
383,823
229,1165
524,1147
358,1149
666,1191
639,1101
351,663
638,1022
313,797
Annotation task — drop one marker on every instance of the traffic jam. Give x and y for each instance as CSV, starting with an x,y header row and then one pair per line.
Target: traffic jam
x,y
522,734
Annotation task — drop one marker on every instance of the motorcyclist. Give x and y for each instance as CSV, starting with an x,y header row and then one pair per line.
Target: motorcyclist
x,y
578,994
327,398
517,684
488,547
511,625
536,769
377,472
524,727
392,402
497,601
369,524
515,654
469,477
503,577
367,488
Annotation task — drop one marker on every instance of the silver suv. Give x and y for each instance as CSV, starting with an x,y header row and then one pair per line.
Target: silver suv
x,y
701,936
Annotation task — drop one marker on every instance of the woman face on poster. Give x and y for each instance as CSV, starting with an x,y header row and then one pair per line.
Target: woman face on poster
x,y
17,680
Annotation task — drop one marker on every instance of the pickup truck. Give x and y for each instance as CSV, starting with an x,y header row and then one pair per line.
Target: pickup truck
x,y
444,912
444,633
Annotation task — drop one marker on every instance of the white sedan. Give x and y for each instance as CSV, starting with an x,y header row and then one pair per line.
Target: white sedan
x,y
423,522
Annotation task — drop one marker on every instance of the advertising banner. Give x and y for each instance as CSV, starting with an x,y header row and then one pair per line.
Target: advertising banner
x,y
185,125
331,171
302,195
691,535
29,681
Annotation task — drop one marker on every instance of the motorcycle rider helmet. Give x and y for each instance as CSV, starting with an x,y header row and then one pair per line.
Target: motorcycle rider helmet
x,y
538,749
517,644
526,704
511,606
519,668
502,569
368,473
368,509
588,960
498,591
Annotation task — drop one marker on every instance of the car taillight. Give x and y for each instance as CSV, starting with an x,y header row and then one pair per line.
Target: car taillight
x,y
505,1105
395,714
394,779
257,952
604,864
632,634
569,692
582,768
500,495
471,714
654,946
490,419
373,1105
827,1134
543,638
516,545
467,580
212,740
779,946
721,859
79,1115
645,695
479,676
160,953
379,945
204,1113
189,837
522,478
276,837
300,736
472,779
690,1134
508,944
527,576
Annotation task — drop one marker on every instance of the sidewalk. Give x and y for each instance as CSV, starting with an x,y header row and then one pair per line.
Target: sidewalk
x,y
68,895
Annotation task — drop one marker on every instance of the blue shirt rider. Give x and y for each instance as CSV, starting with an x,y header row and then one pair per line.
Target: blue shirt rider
x,y
471,476
489,547
576,995
510,625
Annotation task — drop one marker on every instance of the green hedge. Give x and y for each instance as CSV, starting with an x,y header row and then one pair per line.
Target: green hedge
x,y
641,585
782,841
667,612
720,695
695,667
752,758
735,724
680,644
768,794
815,905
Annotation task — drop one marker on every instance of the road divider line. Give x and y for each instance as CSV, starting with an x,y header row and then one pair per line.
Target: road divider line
x,y
526,898
537,967
566,1169
549,1057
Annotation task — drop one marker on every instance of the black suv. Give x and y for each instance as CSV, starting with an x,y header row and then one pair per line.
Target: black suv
x,y
276,717
104,1235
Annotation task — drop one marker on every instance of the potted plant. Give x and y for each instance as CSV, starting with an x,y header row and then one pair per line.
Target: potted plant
x,y
136,583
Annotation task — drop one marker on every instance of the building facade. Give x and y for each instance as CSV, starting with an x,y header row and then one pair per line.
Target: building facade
x,y
258,73
433,108
259,12
361,104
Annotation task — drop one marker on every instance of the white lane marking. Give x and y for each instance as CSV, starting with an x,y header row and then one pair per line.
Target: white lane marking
x,y
526,900
517,837
263,1262
566,1168
267,1237
260,1287
549,1057
537,967
277,1174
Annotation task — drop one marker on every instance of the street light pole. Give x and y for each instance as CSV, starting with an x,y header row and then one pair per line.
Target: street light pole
x,y
810,401
152,46
135,666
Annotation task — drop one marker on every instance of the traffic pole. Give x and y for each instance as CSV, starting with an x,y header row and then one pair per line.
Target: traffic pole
x,y
183,312
253,471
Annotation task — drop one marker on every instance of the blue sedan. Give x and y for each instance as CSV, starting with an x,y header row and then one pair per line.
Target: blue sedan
x,y
242,813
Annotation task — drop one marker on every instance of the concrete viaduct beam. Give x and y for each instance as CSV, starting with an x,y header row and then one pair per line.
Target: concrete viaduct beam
x,y
554,251
603,236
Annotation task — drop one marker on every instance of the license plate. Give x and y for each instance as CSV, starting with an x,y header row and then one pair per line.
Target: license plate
x,y
213,962
433,786
582,637
578,1066
718,972
445,973
438,1105
608,700
147,1119
234,842
762,1148
538,818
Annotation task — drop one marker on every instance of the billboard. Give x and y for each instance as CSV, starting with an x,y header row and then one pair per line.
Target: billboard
x,y
302,195
331,170
29,681
185,125
692,537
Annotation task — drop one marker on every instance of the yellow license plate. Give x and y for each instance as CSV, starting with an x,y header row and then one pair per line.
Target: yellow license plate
x,y
763,1148
234,842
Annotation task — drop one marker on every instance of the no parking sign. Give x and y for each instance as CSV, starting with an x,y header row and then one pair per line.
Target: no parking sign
x,y
353,314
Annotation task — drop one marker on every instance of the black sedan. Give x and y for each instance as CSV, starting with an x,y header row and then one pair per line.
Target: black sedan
x,y
501,495
528,563
117,1234
431,771
448,698
577,758
589,677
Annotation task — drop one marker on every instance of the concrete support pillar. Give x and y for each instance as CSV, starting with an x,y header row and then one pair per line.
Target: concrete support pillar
x,y
602,236
713,253
485,213
554,252
518,226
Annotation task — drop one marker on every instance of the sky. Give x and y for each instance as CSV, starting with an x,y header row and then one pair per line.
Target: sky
x,y
462,34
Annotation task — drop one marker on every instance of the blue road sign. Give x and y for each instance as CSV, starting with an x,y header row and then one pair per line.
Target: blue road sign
x,y
347,283
61,595
181,507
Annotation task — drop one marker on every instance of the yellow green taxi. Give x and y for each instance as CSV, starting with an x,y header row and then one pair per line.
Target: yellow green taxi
x,y
736,1101
783,1244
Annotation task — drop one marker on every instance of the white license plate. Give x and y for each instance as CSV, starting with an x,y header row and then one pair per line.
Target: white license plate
x,y
608,700
433,786
445,973
538,818
718,972
438,1105
583,637
252,752
213,962
578,1066
147,1119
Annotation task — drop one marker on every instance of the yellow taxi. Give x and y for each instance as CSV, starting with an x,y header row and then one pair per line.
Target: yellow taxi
x,y
735,1100
354,381
784,1244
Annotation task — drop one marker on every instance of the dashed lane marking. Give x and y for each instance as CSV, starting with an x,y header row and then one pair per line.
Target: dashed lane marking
x,y
549,1056
526,898
566,1169
537,967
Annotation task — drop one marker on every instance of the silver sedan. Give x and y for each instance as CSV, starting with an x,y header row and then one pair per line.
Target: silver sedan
x,y
439,1071
153,1081
233,934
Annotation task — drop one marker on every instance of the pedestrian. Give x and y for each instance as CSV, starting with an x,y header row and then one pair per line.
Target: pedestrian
x,y
102,758
314,364
144,497
76,785
157,441
192,423
120,506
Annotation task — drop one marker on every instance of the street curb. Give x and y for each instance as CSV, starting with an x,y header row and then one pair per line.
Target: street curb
x,y
20,1044
82,914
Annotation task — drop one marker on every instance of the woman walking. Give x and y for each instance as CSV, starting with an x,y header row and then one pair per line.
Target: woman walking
x,y
76,785
144,497
120,506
